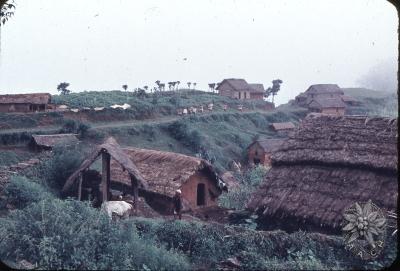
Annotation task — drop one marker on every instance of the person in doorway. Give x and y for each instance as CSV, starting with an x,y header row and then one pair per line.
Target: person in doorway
x,y
177,200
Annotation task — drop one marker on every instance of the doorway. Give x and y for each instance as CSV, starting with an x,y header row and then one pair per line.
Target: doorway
x,y
201,194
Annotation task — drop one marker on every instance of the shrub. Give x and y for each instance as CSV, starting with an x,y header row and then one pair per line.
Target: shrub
x,y
237,198
21,192
8,158
56,234
60,166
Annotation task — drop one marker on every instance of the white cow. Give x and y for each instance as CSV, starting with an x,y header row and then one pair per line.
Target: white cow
x,y
121,209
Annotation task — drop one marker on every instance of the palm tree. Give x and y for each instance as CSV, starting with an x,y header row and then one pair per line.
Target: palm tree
x,y
189,83
177,84
146,88
194,85
125,87
173,85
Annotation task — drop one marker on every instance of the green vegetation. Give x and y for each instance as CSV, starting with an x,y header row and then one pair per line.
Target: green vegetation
x,y
237,197
56,234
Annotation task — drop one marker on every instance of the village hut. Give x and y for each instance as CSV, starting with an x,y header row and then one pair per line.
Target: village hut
x,y
283,128
165,172
47,142
328,164
348,100
333,106
259,152
24,103
99,185
240,89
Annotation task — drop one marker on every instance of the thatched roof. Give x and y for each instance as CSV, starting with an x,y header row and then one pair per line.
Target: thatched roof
x,y
268,145
324,88
321,103
277,126
346,98
257,88
33,98
119,159
329,163
165,172
49,141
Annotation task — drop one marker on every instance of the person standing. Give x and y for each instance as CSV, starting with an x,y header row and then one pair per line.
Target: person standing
x,y
177,201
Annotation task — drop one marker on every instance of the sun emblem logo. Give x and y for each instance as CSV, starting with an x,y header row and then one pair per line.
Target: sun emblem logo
x,y
364,229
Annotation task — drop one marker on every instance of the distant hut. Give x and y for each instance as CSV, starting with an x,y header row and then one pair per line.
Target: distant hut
x,y
348,100
329,163
240,89
99,185
165,172
47,142
334,106
24,103
260,151
283,128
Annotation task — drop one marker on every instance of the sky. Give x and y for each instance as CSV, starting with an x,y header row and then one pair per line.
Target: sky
x,y
101,45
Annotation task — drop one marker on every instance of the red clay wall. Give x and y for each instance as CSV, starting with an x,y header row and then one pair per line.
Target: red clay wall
x,y
189,190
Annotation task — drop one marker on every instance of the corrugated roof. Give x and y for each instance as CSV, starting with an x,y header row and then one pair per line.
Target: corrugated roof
x,y
33,98
282,126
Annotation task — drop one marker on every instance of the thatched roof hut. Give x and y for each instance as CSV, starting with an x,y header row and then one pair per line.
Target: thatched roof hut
x,y
32,98
50,141
279,126
329,163
165,172
119,159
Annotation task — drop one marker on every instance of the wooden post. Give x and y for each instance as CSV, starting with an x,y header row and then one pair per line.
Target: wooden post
x,y
135,190
105,177
80,187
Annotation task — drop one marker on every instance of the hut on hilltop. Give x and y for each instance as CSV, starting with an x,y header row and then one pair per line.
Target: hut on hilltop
x,y
47,142
165,172
329,163
24,103
99,185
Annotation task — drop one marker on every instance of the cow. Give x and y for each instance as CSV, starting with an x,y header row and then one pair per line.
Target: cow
x,y
117,209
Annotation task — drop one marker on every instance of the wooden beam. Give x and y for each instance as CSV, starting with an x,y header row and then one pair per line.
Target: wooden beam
x,y
105,177
135,190
80,187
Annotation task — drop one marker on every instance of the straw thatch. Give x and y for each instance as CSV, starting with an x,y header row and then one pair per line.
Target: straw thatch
x,y
49,141
269,145
165,172
324,89
119,160
278,126
320,103
326,165
33,98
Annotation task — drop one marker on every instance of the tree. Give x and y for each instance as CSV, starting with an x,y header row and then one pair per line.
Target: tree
x,y
125,87
189,83
7,9
177,84
194,85
146,88
267,92
169,85
276,86
211,86
63,88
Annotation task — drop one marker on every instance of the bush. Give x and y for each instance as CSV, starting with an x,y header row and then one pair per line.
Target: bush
x,y
21,192
237,198
56,234
74,126
60,166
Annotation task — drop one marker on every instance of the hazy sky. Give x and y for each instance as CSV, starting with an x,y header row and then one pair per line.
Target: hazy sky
x,y
101,45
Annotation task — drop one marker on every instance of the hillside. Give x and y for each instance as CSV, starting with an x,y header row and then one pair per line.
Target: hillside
x,y
219,136
374,103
